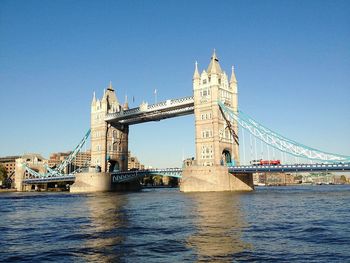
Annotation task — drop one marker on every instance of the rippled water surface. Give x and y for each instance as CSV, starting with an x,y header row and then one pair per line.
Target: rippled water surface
x,y
284,224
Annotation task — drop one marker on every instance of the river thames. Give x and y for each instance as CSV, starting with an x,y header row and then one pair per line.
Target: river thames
x,y
271,224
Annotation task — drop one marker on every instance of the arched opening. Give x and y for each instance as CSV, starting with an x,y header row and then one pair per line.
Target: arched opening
x,y
226,158
113,166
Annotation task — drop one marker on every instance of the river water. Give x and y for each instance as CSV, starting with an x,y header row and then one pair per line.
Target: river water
x,y
272,224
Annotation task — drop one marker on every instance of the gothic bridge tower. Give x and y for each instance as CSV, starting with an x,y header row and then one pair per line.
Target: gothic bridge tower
x,y
216,139
109,145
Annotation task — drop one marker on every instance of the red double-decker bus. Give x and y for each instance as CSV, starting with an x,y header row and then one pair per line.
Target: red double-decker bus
x,y
265,162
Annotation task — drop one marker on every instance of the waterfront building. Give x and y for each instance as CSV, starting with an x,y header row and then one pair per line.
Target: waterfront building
x,y
9,162
134,163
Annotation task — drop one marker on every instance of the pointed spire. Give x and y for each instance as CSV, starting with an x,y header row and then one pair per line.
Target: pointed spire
x,y
233,76
214,55
126,104
104,97
196,73
214,66
110,86
93,99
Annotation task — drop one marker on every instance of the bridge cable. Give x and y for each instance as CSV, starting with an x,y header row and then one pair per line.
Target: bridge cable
x,y
251,147
280,142
243,144
256,154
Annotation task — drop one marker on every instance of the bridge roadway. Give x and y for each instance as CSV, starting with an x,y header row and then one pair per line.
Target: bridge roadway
x,y
290,168
45,180
120,177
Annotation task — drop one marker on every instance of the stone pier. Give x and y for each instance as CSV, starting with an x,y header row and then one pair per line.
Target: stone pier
x,y
213,179
100,182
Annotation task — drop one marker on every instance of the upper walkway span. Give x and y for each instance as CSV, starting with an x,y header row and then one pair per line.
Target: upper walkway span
x,y
153,112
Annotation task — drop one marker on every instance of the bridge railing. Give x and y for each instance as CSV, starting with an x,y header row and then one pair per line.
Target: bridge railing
x,y
291,168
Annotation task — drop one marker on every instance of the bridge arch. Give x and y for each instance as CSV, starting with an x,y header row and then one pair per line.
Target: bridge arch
x,y
226,157
113,166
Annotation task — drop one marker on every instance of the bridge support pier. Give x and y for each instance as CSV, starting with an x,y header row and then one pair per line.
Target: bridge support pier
x,y
100,182
214,179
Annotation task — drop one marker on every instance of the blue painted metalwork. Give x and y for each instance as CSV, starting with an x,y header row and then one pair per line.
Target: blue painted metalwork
x,y
278,141
57,172
32,172
290,168
73,154
44,180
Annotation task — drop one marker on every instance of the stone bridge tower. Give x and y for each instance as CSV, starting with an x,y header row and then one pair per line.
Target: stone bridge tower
x,y
216,139
109,145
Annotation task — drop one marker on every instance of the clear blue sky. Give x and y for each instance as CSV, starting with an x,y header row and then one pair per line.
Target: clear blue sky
x,y
292,61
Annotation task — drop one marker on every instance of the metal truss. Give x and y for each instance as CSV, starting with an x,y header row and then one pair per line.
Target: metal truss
x,y
33,172
73,154
278,141
57,172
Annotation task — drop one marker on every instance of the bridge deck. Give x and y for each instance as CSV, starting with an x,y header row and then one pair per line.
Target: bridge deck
x,y
177,172
290,168
45,180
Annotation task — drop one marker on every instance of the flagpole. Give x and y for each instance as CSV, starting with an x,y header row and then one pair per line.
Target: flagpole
x,y
155,96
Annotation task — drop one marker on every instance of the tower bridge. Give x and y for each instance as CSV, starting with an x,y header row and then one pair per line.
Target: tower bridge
x,y
217,164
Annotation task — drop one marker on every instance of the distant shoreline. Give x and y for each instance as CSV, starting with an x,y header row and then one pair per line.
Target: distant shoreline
x,y
7,190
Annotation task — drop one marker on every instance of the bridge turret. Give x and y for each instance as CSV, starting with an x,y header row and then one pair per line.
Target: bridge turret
x,y
214,66
233,80
196,77
214,140
196,73
214,70
93,103
234,88
109,145
216,137
126,104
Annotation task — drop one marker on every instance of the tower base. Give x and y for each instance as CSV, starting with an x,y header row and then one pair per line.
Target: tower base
x,y
214,179
100,182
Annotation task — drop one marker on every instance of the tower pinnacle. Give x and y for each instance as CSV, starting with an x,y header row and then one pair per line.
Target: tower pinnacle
x,y
110,86
196,73
214,66
233,76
